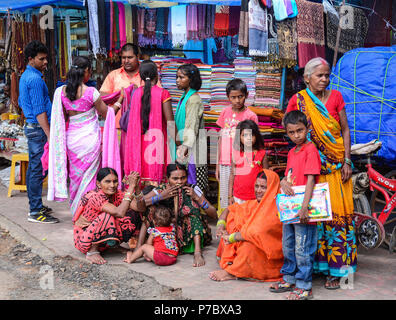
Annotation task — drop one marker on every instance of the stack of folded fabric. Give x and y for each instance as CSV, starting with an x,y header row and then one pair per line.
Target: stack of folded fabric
x,y
245,70
270,124
268,88
205,71
221,75
168,81
269,119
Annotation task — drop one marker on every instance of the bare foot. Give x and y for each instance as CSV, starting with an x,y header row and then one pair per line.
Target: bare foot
x,y
199,261
95,257
221,275
128,258
146,257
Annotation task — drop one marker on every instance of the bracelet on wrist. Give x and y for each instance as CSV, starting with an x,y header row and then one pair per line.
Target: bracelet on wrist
x,y
221,222
156,199
138,195
348,161
231,238
204,205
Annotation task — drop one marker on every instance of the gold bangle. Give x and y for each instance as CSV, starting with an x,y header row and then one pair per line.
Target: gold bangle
x,y
127,199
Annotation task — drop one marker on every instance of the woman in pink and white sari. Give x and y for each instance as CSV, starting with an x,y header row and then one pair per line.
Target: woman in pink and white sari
x,y
75,146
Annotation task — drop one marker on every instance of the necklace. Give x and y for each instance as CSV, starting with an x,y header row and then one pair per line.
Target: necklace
x,y
234,113
258,162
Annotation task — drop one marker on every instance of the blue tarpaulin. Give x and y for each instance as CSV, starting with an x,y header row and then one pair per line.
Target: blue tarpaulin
x,y
22,5
366,79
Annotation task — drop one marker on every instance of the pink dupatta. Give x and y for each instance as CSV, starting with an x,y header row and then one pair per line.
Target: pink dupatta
x,y
121,9
111,99
111,149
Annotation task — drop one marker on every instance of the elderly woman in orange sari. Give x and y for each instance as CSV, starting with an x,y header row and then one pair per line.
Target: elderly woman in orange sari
x,y
251,235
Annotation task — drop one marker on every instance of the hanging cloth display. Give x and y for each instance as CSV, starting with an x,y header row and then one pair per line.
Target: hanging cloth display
x,y
287,41
310,31
243,39
128,23
258,29
68,41
116,29
192,22
93,26
102,26
201,21
62,51
349,38
210,20
111,38
122,25
222,21
233,27
150,16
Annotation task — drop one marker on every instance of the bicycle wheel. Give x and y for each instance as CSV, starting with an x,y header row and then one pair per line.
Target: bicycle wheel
x,y
370,234
361,204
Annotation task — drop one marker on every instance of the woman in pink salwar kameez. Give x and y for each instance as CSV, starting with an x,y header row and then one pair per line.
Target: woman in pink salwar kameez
x,y
146,149
75,136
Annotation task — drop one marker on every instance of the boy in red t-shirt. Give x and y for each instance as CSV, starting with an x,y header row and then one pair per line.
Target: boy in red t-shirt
x,y
300,239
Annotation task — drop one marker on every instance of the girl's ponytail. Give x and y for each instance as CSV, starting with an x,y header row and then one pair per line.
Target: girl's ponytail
x,y
148,72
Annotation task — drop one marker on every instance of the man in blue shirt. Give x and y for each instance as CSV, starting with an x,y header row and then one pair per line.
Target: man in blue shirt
x,y
36,105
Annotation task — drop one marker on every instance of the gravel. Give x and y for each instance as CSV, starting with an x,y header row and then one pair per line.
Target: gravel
x,y
26,276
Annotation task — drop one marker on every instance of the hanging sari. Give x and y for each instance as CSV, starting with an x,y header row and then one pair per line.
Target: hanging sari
x,y
337,251
259,256
93,226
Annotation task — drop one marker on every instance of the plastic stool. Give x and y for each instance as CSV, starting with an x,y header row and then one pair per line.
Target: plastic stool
x,y
219,209
23,158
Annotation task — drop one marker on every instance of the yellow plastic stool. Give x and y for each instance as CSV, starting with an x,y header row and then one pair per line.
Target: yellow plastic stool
x,y
23,158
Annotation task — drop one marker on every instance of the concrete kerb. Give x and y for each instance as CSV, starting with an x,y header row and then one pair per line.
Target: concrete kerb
x,y
21,235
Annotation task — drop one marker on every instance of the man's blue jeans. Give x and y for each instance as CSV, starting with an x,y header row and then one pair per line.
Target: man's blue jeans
x,y
299,242
34,175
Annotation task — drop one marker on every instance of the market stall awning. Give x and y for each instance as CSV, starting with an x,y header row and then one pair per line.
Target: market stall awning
x,y
22,5
220,3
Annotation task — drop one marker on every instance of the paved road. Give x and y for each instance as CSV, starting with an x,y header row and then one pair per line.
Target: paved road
x,y
375,278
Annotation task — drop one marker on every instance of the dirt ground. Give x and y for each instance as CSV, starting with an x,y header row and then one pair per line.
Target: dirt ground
x,y
26,276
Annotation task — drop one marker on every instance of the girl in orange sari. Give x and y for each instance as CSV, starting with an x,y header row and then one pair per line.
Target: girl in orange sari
x,y
251,235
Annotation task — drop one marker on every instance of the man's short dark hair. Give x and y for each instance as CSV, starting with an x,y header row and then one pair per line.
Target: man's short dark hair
x,y
130,47
294,117
33,48
236,84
